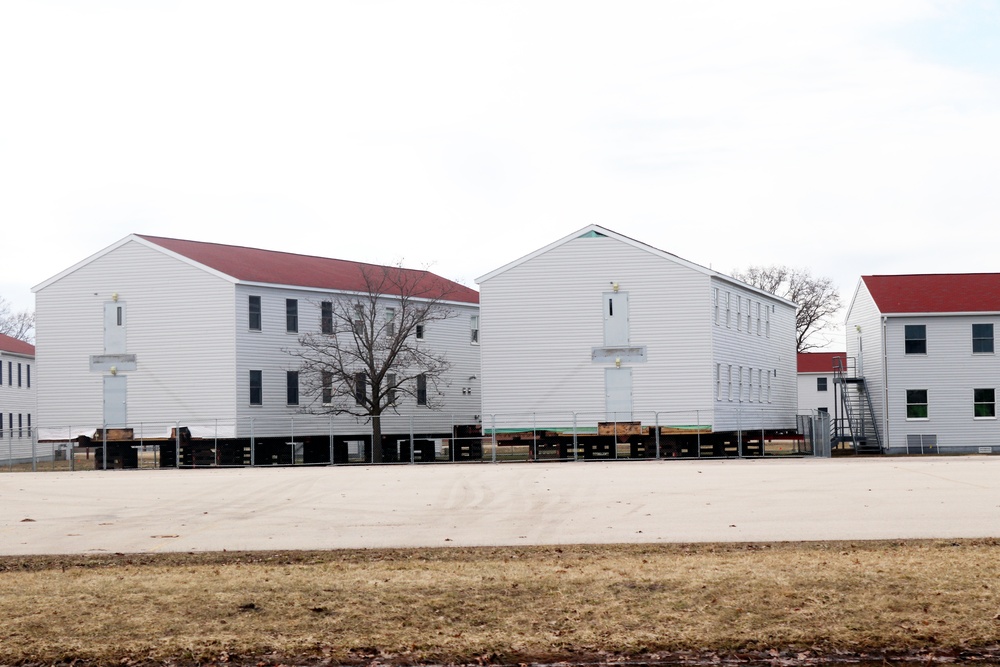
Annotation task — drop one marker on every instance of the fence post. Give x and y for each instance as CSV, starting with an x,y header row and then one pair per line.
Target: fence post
x,y
34,453
69,445
177,445
493,436
762,418
413,458
576,451
331,439
253,446
291,425
104,446
697,431
534,437
656,425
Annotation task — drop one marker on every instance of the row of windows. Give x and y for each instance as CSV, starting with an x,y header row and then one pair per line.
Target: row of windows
x,y
984,405
326,319
18,432
915,338
744,311
360,388
23,372
742,383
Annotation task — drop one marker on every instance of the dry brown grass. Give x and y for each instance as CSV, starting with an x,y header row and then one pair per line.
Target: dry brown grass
x,y
503,605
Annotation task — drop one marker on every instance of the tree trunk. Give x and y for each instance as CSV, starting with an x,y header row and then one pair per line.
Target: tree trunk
x,y
376,438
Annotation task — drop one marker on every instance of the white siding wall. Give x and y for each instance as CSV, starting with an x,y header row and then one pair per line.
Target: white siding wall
x,y
949,372
268,350
179,326
541,319
864,349
17,406
810,399
735,347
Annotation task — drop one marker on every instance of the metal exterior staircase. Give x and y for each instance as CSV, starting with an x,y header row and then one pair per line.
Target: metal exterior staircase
x,y
855,424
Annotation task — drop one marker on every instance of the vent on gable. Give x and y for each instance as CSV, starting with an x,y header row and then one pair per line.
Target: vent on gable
x,y
593,235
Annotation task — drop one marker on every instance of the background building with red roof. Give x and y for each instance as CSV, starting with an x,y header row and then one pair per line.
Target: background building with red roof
x,y
925,346
153,333
816,372
17,399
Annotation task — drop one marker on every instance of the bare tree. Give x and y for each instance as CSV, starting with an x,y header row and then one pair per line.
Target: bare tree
x,y
817,298
20,325
369,353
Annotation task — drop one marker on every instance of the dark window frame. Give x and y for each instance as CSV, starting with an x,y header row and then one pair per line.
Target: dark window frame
x,y
422,389
917,404
915,338
326,317
982,343
326,384
256,387
291,315
292,387
984,403
254,317
360,388
821,384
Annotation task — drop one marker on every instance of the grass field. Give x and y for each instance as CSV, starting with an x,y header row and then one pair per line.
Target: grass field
x,y
779,602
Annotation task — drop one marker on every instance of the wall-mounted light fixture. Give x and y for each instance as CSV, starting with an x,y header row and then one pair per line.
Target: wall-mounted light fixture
x,y
614,286
618,362
114,297
114,370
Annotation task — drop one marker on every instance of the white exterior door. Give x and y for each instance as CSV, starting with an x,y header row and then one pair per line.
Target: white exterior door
x,y
618,394
615,319
114,328
115,396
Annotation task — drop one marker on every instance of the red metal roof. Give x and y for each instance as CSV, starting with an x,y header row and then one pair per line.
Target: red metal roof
x,y
820,362
283,268
936,293
15,346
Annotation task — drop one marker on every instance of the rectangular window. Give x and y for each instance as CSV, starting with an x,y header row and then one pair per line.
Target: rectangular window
x,y
985,404
741,386
390,322
739,313
474,329
326,317
390,388
10,373
982,339
916,338
1,384
292,315
29,424
256,387
20,425
729,375
760,382
767,323
19,375
27,370
769,386
820,384
729,300
758,318
715,304
421,389
292,387
916,404
718,382
359,319
326,379
750,387
254,313
360,388
420,331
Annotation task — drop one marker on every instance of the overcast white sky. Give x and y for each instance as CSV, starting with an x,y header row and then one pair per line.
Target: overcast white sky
x,y
846,137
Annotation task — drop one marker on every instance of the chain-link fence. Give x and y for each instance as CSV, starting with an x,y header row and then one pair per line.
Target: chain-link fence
x,y
410,439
